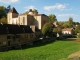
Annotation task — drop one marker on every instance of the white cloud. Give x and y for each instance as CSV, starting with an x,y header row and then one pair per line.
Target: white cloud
x,y
56,6
9,1
30,7
67,15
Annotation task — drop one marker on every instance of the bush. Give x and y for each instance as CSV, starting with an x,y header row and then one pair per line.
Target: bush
x,y
47,29
78,35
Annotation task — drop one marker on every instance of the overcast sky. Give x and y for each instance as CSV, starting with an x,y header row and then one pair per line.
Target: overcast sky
x,y
63,9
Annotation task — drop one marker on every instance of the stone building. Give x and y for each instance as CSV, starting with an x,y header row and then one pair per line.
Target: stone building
x,y
67,31
15,35
32,18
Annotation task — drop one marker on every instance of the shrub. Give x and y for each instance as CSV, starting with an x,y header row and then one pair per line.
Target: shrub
x,y
78,35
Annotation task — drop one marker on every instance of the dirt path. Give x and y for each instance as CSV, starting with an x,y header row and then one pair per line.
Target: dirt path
x,y
75,56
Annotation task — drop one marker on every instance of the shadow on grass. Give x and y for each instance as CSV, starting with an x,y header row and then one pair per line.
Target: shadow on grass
x,y
36,43
67,39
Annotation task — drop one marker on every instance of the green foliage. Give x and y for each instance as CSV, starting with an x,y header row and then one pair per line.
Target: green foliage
x,y
35,10
47,28
76,23
2,11
57,30
52,51
65,25
3,20
70,22
52,18
77,29
26,12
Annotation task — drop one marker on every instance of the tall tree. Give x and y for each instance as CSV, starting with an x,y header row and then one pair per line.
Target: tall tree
x,y
26,12
2,11
57,30
35,11
47,29
70,22
65,25
77,29
52,18
3,20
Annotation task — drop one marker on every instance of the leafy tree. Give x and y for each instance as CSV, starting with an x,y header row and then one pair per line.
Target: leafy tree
x,y
52,18
47,28
3,20
77,29
2,11
26,12
60,23
35,11
57,30
70,22
65,25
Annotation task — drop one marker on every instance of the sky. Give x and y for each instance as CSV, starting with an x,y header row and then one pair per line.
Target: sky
x,y
62,9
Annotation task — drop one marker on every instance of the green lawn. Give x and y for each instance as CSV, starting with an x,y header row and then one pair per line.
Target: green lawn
x,y
51,51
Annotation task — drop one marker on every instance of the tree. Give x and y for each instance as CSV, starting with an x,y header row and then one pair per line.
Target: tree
x,y
77,29
52,18
3,20
47,29
35,10
26,12
65,25
2,11
57,30
70,22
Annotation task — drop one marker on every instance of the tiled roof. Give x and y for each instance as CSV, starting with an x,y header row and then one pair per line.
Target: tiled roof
x,y
13,10
67,29
14,29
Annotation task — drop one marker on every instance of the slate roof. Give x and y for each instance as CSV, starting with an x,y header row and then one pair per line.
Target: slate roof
x,y
14,29
13,10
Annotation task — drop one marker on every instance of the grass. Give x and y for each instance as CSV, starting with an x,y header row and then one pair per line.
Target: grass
x,y
51,51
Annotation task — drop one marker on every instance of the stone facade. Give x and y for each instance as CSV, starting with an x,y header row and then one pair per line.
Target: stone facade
x,y
27,19
13,35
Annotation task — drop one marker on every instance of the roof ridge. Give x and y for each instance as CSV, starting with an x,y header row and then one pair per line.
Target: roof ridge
x,y
13,10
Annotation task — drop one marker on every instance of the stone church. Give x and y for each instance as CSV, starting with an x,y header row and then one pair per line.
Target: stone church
x,y
13,17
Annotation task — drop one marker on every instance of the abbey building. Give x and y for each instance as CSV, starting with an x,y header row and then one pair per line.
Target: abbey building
x,y
13,17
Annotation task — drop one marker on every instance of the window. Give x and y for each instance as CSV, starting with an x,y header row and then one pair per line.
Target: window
x,y
8,37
